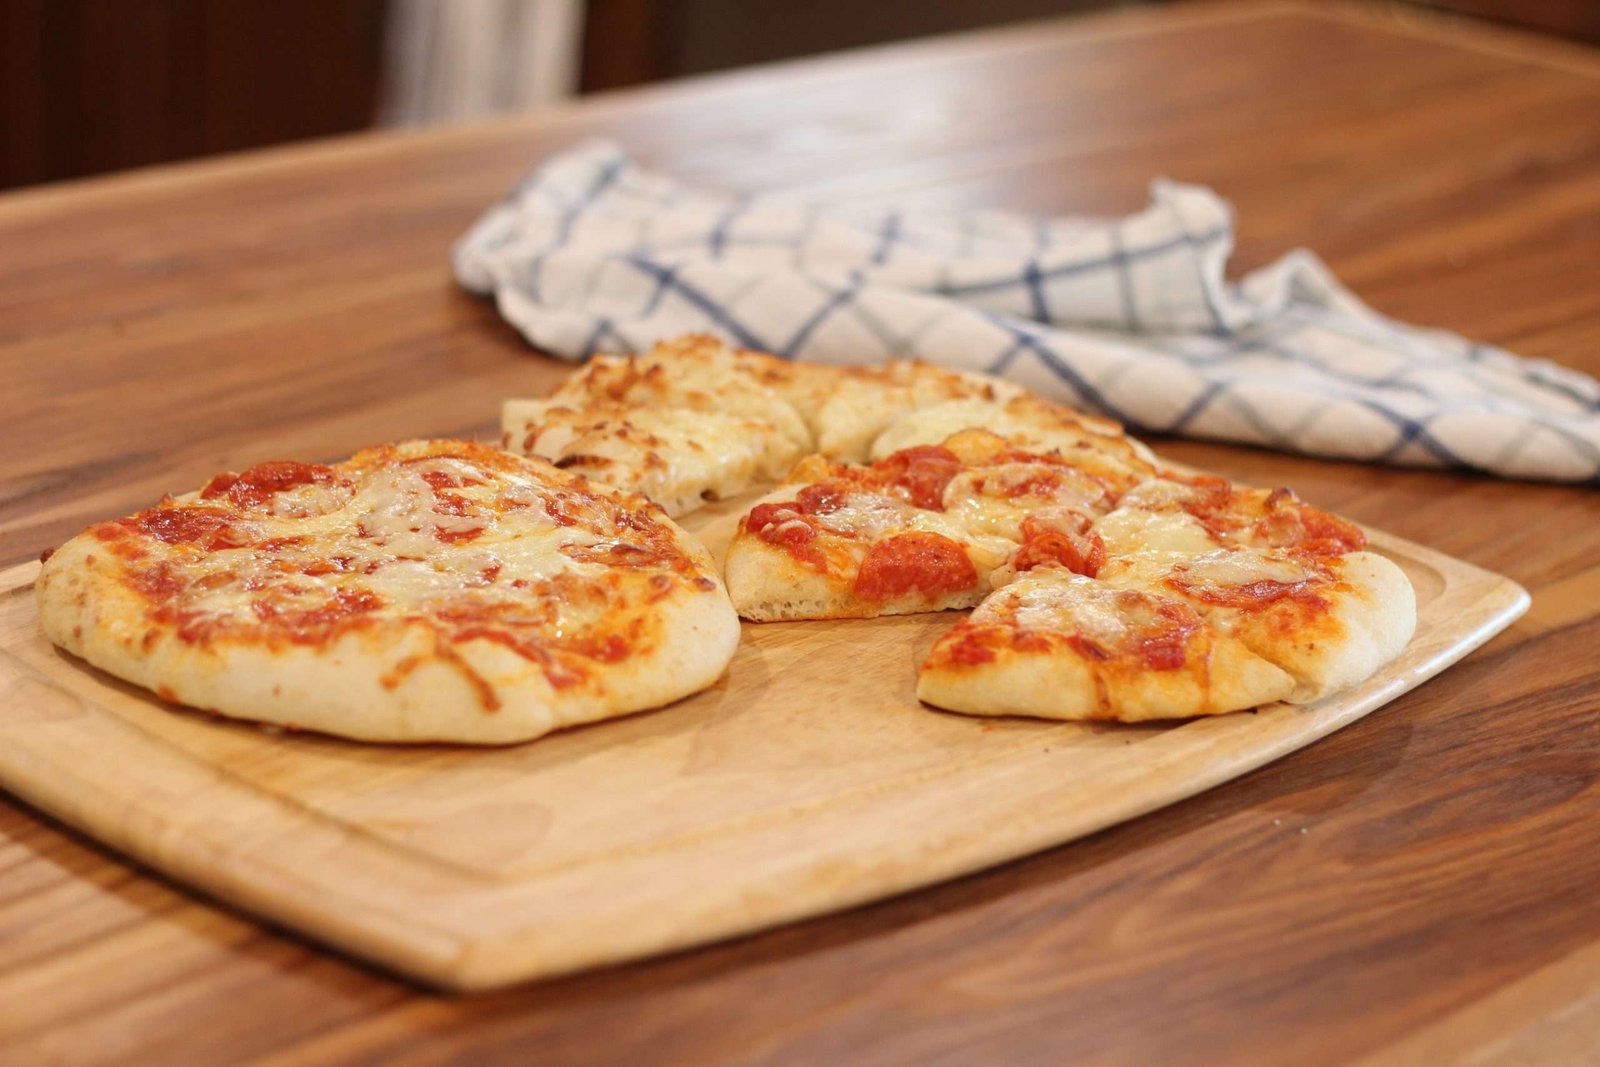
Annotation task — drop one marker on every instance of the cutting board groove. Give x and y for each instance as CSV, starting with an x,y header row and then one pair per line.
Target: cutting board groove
x,y
808,780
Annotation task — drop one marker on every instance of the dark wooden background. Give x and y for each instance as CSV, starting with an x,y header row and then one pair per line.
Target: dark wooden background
x,y
96,85
88,86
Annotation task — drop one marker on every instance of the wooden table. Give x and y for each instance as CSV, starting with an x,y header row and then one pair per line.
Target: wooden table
x,y
1421,887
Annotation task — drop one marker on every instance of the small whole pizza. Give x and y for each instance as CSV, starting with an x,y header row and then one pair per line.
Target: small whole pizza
x,y
428,591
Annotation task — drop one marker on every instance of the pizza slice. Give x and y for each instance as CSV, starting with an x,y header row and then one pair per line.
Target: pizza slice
x,y
1053,644
843,541
1290,581
949,520
1189,597
430,591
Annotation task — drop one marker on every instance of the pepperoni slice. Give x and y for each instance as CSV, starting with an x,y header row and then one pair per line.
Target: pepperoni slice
x,y
785,526
203,527
254,486
916,562
1291,523
923,472
823,498
1080,551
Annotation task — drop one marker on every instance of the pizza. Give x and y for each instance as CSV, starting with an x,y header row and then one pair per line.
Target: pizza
x,y
1106,583
1291,581
428,591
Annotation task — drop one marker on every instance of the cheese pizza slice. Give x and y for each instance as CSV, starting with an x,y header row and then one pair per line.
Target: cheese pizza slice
x,y
1026,422
430,591
694,373
678,457
865,401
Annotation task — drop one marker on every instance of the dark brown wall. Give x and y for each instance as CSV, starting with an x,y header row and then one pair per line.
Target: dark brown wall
x,y
1579,19
632,41
95,85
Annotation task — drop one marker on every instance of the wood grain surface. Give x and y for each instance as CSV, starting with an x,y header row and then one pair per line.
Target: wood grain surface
x,y
807,780
158,326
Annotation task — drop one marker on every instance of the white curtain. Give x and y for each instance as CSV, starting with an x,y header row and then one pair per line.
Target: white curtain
x,y
458,59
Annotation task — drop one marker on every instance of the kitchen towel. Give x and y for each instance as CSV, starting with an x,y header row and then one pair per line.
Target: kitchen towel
x,y
1129,317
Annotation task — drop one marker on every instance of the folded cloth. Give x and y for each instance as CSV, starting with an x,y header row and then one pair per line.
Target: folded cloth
x,y
1128,317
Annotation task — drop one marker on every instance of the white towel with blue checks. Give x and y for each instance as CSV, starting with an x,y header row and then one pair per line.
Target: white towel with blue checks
x,y
1128,317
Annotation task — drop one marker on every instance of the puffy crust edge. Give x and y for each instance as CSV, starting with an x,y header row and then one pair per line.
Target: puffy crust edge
x,y
1377,614
1059,683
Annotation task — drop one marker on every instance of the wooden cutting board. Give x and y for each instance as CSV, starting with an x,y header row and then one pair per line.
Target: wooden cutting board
x,y
808,780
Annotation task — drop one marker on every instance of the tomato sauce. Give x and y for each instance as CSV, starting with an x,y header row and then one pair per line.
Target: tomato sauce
x,y
1164,650
456,537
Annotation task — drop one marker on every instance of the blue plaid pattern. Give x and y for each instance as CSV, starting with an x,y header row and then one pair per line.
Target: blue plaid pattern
x,y
1128,317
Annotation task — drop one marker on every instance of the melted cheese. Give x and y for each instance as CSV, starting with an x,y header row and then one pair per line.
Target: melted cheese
x,y
994,500
695,374
390,535
1067,605
1055,602
1129,529
675,456
1232,568
872,517
1158,494
864,403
